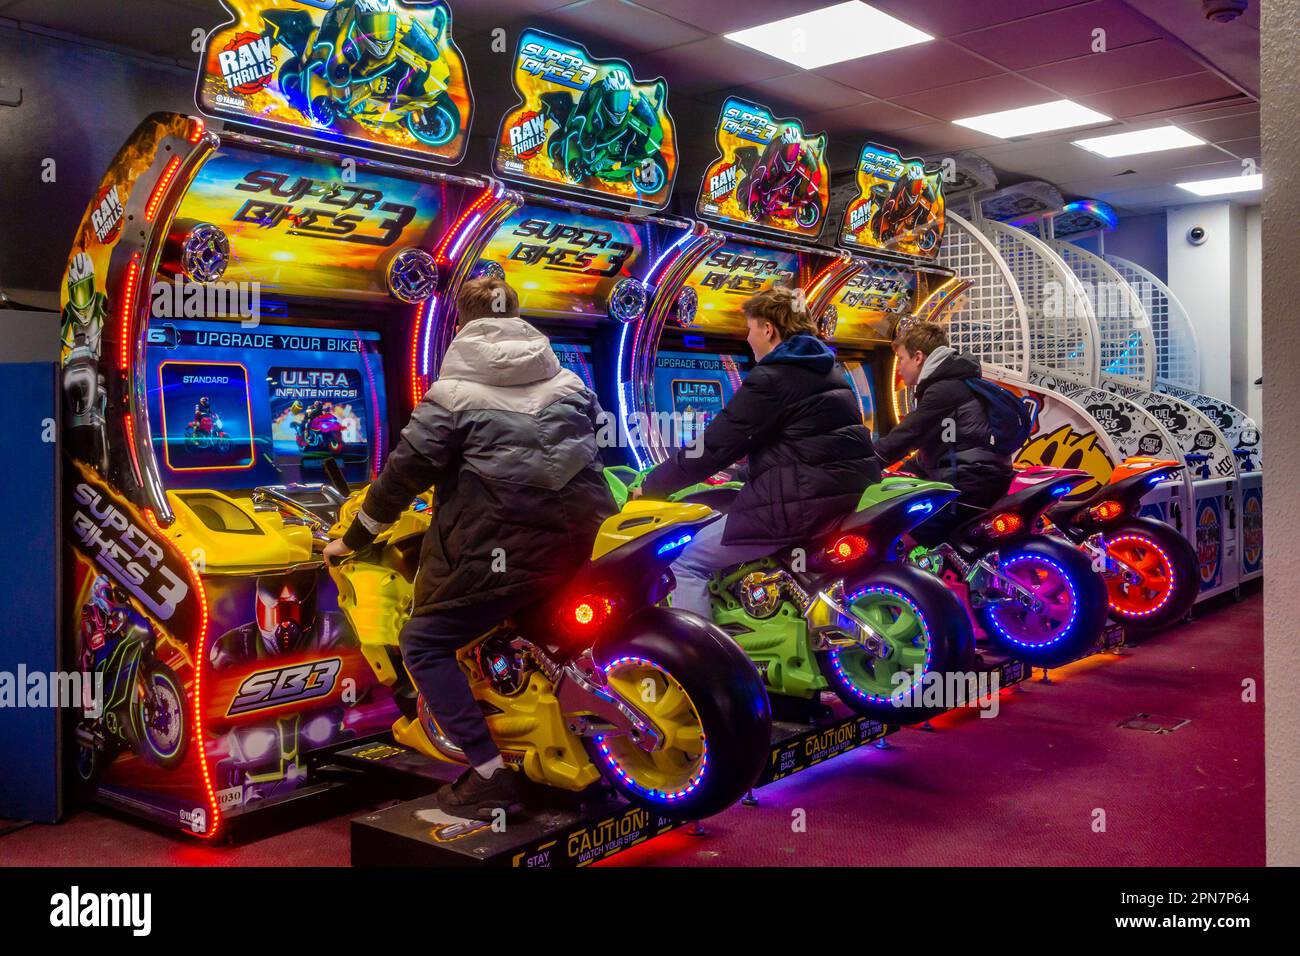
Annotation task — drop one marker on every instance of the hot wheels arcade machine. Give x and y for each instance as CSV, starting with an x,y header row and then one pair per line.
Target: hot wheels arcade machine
x,y
245,319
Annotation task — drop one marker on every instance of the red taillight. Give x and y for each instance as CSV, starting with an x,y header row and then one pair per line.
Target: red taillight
x,y
1106,511
1001,525
848,548
590,611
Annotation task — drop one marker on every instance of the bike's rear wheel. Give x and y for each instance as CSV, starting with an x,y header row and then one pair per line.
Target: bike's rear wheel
x,y
706,701
1168,577
1068,609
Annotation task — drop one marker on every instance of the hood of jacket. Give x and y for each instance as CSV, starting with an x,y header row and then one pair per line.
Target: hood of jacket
x,y
953,365
504,351
805,350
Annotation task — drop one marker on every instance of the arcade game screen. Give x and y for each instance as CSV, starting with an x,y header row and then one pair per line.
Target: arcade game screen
x,y
234,408
577,359
694,387
859,377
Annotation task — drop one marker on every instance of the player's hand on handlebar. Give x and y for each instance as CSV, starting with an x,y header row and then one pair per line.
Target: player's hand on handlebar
x,y
336,551
635,492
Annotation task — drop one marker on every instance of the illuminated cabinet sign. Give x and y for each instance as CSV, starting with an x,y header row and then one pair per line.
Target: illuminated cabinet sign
x,y
898,208
769,174
586,126
378,74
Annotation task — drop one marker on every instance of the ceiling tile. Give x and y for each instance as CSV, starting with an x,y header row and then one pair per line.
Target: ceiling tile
x,y
940,136
1248,148
803,93
1164,95
622,23
1221,128
489,16
1059,35
976,97
720,18
944,18
870,117
711,64
1126,66
909,69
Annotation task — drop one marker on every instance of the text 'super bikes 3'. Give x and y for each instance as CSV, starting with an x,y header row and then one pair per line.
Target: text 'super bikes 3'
x,y
841,613
598,682
1036,597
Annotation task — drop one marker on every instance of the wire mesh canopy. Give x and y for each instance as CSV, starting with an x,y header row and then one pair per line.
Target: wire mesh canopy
x,y
1124,344
987,321
1177,359
1062,328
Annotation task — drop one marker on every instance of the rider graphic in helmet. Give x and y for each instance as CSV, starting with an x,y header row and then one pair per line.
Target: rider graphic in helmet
x,y
782,181
83,386
368,63
612,133
287,621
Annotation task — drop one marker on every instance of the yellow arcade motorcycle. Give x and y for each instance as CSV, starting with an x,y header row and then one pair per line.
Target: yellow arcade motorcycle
x,y
597,682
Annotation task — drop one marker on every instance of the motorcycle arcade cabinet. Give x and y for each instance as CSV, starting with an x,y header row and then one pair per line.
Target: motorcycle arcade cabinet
x,y
588,274
998,315
243,319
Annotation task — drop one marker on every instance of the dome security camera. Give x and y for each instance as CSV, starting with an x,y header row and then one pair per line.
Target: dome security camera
x,y
1197,235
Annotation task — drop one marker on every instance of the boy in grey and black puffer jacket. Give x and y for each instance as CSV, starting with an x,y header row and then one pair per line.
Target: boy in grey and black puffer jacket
x,y
508,437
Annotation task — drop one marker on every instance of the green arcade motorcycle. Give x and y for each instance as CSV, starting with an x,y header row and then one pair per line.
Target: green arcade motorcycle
x,y
843,613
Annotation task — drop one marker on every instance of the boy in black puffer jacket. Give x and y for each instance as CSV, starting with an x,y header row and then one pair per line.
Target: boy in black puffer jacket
x,y
948,429
509,439
810,456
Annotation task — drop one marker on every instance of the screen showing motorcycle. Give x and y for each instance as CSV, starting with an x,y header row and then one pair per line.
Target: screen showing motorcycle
x,y
769,174
899,205
382,75
587,126
234,408
694,388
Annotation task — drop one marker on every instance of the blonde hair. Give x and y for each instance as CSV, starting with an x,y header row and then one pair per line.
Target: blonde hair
x,y
486,297
922,336
784,307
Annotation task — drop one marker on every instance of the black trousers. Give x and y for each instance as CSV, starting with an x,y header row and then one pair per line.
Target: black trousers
x,y
429,644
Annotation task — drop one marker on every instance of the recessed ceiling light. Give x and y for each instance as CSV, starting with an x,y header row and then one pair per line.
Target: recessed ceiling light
x,y
1139,141
845,31
1225,186
1058,114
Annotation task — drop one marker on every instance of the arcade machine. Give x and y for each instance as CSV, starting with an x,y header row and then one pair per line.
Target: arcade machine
x,y
770,179
894,224
1177,375
1127,369
246,317
586,249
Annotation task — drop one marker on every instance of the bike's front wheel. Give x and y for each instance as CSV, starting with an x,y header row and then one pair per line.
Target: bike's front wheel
x,y
927,636
160,713
706,703
437,124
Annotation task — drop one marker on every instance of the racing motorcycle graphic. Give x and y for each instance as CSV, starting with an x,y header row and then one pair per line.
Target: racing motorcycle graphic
x,y
367,64
143,704
905,208
205,432
319,432
784,181
610,133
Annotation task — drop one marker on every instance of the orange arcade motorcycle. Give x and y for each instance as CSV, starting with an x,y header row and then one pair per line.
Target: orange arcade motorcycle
x,y
1150,570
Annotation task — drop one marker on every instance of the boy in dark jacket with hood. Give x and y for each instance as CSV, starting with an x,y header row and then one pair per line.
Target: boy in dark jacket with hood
x,y
810,456
948,429
509,439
